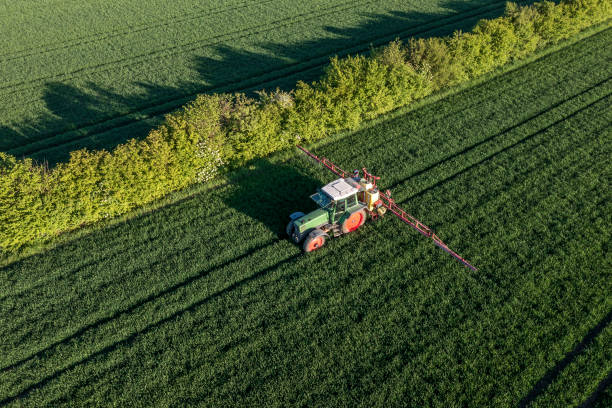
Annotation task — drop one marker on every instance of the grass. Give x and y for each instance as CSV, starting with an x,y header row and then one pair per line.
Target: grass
x,y
99,81
204,301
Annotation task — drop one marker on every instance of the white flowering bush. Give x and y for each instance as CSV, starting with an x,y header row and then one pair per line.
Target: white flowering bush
x,y
211,162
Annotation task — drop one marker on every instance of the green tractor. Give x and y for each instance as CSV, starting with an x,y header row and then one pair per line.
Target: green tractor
x,y
344,206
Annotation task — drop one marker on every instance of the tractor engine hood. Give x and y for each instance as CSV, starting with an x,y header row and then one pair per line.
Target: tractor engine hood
x,y
312,220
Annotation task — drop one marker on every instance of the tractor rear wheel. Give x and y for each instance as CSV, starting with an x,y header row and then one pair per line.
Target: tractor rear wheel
x,y
315,240
354,221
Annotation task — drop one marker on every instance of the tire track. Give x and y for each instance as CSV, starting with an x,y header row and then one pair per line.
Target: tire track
x,y
158,108
233,36
126,340
219,264
555,371
145,265
515,126
276,241
76,42
506,148
113,250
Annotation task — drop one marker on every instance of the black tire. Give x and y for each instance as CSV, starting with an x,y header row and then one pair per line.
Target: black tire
x,y
296,236
289,228
293,233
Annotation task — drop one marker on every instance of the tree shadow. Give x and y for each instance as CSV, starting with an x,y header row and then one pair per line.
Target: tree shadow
x,y
269,193
306,61
92,117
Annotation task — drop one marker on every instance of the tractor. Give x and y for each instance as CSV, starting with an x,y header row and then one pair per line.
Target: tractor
x,y
344,205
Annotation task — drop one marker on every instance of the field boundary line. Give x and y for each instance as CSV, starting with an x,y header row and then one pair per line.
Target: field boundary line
x,y
504,77
475,83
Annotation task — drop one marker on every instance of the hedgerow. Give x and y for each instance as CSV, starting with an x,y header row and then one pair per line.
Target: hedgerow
x,y
217,132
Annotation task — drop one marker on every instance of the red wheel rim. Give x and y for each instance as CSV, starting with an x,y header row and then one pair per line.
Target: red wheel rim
x,y
354,221
315,243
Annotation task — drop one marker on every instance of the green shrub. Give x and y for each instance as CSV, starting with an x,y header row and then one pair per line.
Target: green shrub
x,y
404,80
22,185
254,128
433,54
214,131
523,20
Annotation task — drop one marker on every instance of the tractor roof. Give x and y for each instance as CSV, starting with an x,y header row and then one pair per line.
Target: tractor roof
x,y
339,189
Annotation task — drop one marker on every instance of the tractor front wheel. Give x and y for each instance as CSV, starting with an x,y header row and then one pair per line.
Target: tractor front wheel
x,y
289,229
354,221
314,241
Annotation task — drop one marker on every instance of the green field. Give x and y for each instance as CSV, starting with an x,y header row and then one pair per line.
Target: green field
x,y
117,67
205,302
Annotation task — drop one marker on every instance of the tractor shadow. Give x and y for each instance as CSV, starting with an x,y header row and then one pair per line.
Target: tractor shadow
x,y
270,192
554,372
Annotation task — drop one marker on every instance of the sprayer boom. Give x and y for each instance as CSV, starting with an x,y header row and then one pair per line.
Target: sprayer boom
x,y
369,188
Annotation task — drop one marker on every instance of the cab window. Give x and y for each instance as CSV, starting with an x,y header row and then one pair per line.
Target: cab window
x,y
351,201
341,206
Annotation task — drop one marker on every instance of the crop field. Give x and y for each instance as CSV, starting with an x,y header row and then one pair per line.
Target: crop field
x,y
206,302
101,80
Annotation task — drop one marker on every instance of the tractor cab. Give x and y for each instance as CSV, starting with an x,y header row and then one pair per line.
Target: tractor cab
x,y
337,198
340,211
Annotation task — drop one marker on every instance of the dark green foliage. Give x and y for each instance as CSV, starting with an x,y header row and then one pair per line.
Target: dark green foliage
x,y
205,303
217,130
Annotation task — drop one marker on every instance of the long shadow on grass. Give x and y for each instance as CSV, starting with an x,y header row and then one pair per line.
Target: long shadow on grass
x,y
93,117
129,339
149,299
270,192
554,372
598,398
